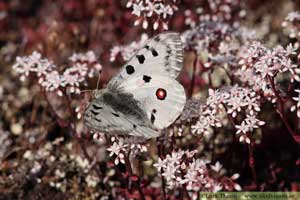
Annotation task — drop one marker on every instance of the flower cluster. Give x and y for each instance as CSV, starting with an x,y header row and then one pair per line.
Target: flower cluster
x,y
216,43
82,66
122,145
47,155
259,64
207,119
33,63
291,24
156,12
232,100
181,169
214,10
205,34
247,126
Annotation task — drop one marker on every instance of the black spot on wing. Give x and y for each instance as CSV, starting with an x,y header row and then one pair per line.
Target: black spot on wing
x,y
154,52
141,58
134,126
94,112
154,111
130,69
115,114
152,118
147,47
98,120
169,50
146,78
96,107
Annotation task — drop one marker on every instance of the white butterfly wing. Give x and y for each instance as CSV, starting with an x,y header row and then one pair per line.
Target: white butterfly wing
x,y
161,55
150,77
162,98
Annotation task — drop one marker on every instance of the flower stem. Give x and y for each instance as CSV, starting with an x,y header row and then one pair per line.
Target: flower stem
x,y
252,163
195,63
280,109
130,172
160,149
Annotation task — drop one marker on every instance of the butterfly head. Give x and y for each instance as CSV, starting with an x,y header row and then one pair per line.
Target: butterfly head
x,y
97,93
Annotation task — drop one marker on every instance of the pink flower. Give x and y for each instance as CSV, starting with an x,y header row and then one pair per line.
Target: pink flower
x,y
118,148
51,82
242,128
160,164
32,64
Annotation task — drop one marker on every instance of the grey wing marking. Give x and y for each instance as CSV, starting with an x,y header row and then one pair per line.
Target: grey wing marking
x,y
102,117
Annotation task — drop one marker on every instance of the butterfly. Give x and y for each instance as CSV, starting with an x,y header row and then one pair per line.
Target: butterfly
x,y
144,97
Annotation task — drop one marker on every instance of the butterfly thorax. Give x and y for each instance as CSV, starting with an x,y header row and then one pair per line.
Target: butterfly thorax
x,y
97,93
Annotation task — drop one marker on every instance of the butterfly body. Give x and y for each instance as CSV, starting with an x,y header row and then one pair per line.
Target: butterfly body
x,y
144,97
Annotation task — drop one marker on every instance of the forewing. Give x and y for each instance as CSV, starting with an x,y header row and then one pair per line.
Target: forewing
x,y
160,55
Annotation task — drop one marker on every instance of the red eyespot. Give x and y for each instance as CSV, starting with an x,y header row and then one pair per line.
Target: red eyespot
x,y
161,94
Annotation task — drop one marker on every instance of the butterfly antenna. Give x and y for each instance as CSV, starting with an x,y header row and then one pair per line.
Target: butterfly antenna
x,y
98,81
82,91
